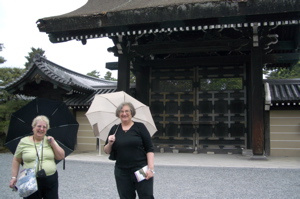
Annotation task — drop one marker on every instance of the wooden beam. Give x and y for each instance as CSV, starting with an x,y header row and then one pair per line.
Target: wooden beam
x,y
200,61
281,58
112,65
172,47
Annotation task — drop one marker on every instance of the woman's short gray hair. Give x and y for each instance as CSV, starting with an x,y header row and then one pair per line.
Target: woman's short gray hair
x,y
131,107
40,118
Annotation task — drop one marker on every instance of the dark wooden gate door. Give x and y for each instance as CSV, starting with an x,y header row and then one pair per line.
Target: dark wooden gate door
x,y
221,109
199,109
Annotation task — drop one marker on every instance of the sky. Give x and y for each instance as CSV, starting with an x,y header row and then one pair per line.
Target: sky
x,y
19,32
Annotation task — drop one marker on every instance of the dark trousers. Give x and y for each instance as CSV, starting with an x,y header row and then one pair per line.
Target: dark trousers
x,y
47,188
127,185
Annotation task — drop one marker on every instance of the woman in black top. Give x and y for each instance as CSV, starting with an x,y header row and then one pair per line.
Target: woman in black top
x,y
133,149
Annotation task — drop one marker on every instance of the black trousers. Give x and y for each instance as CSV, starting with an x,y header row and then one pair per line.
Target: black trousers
x,y
47,188
127,185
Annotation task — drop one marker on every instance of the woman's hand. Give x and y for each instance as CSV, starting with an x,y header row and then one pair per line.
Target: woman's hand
x,y
149,174
59,153
150,160
14,171
108,146
50,140
111,139
13,182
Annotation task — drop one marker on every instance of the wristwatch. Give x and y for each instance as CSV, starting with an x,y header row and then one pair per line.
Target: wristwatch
x,y
152,171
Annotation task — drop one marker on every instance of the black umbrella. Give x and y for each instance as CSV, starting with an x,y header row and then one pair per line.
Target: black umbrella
x,y
63,125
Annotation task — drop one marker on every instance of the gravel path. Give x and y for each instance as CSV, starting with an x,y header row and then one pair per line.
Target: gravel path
x,y
89,180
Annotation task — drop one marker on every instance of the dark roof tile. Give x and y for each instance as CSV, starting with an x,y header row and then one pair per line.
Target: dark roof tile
x,y
284,91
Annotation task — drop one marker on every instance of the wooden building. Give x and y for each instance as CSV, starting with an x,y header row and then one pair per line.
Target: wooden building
x,y
282,117
48,80
180,50
45,79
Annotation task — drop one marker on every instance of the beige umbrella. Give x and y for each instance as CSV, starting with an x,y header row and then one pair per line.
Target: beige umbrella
x,y
101,113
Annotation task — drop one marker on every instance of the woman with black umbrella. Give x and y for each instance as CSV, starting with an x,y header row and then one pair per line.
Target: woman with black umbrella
x,y
46,151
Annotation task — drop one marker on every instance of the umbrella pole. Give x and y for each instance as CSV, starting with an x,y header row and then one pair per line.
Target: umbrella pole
x,y
100,147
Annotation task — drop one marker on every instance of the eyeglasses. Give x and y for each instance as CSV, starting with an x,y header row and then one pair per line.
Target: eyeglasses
x,y
41,127
126,111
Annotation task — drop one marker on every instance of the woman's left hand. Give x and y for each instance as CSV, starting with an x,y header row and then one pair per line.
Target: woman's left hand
x,y
59,153
149,174
50,140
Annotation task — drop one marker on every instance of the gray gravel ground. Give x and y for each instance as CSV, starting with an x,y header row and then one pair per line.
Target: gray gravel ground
x,y
89,180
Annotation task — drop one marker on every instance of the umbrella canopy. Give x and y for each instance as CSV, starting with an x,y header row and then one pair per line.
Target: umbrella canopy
x,y
63,125
101,113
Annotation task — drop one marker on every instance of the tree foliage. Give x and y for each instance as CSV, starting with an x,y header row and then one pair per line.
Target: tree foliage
x,y
173,85
132,77
31,55
8,74
94,73
285,73
109,77
10,103
220,84
6,109
2,60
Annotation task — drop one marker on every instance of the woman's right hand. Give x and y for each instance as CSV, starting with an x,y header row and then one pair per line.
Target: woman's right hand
x,y
111,139
15,170
13,182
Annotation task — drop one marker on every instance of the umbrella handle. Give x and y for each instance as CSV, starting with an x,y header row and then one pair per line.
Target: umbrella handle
x,y
116,129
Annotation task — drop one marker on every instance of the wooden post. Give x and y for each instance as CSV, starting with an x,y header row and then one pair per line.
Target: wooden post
x,y
123,73
142,82
256,102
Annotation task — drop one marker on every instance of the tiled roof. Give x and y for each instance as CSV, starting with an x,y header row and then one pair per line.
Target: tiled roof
x,y
102,6
84,101
80,89
102,18
282,92
70,77
63,77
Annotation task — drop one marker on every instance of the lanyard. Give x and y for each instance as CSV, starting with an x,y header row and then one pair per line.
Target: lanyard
x,y
38,161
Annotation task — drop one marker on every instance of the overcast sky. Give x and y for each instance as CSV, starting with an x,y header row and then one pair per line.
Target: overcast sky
x,y
19,32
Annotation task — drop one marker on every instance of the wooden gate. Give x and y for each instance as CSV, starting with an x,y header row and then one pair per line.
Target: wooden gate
x,y
199,109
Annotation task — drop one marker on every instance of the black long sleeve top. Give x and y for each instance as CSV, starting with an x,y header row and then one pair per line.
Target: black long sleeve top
x,y
132,146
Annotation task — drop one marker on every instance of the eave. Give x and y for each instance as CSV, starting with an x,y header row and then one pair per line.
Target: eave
x,y
99,18
43,70
283,93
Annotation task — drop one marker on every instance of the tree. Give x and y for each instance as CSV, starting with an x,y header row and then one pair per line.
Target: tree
x,y
94,73
8,74
220,84
109,77
285,73
9,103
6,110
31,55
2,60
132,77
